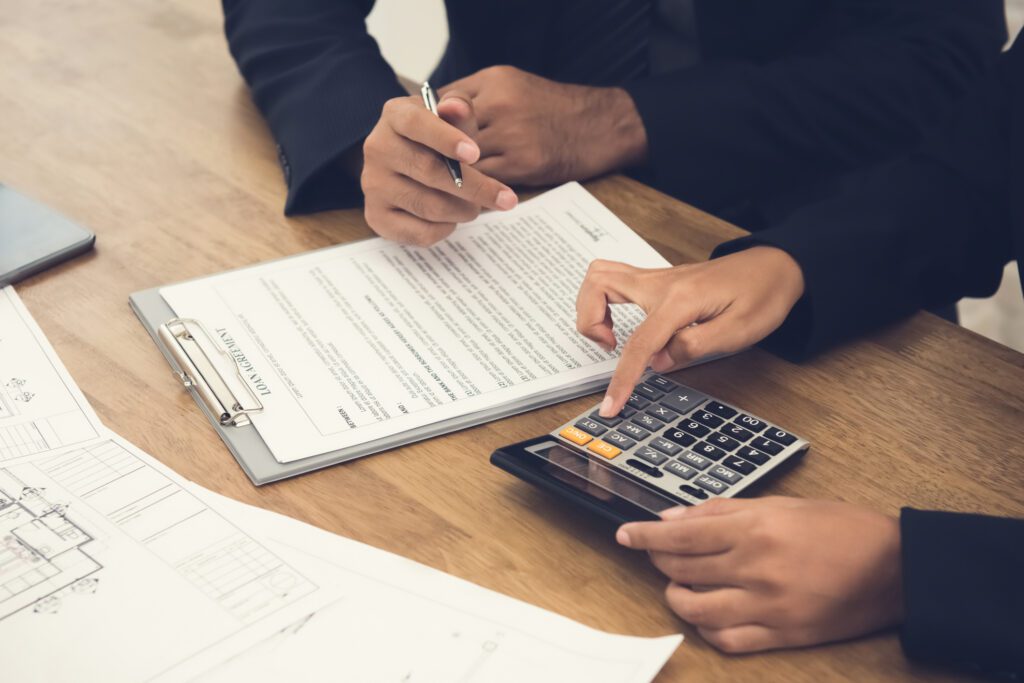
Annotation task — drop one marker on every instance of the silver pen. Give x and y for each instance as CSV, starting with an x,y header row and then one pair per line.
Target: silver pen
x,y
430,102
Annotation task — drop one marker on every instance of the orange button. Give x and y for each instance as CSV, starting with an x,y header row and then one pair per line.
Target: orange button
x,y
605,449
575,435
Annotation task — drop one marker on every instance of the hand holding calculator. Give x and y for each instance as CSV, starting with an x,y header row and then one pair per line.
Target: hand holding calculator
x,y
670,445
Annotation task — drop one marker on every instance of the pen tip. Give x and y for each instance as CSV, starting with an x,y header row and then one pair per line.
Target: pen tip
x,y
458,183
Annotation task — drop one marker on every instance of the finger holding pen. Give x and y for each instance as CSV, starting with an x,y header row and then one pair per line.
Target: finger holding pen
x,y
430,102
410,194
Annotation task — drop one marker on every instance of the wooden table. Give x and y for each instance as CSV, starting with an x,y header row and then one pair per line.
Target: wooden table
x,y
130,118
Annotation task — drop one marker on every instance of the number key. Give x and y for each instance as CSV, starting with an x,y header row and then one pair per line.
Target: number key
x,y
766,445
751,423
695,428
723,441
738,464
737,432
776,434
709,451
680,437
753,455
707,418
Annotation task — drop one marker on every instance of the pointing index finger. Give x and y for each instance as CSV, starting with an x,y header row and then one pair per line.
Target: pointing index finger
x,y
648,338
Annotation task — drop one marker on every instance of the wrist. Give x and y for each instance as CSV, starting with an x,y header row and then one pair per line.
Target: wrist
x,y
892,594
788,273
616,138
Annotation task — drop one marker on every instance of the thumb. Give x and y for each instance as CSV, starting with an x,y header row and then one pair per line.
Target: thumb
x,y
456,107
715,506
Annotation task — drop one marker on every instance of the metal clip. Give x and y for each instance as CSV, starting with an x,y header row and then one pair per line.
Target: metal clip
x,y
183,338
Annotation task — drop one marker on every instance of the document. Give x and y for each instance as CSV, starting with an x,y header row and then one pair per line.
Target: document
x,y
400,621
362,341
112,569
41,408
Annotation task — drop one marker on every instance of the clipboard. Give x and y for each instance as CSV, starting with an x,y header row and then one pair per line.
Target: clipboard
x,y
188,349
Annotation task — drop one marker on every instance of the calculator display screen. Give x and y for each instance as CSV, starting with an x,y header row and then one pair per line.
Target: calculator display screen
x,y
597,480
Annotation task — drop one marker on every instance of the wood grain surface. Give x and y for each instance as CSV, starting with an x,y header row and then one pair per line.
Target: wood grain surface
x,y
130,118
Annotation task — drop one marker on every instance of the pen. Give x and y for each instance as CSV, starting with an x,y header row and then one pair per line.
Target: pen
x,y
430,102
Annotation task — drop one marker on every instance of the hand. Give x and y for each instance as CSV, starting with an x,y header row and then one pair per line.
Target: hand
x,y
787,572
720,306
410,197
533,131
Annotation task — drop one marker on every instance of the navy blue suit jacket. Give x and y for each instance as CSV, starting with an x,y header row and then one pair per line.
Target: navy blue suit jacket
x,y
789,94
923,232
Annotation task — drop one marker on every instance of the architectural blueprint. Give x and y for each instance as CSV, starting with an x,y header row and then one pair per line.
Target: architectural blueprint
x,y
41,408
106,551
397,621
44,553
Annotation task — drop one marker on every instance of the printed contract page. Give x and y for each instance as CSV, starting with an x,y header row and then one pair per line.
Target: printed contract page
x,y
357,342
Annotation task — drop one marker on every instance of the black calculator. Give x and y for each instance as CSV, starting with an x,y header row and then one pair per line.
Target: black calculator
x,y
670,445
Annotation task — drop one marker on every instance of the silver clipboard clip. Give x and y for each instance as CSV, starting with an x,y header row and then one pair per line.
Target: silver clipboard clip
x,y
181,337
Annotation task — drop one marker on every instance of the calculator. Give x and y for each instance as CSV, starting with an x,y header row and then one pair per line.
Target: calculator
x,y
670,445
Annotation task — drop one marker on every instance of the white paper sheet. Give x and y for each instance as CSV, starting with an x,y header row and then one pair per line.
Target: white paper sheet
x,y
398,620
111,569
114,568
41,408
353,343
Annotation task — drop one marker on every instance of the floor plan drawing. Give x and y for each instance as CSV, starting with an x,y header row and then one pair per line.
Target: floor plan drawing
x,y
41,408
43,552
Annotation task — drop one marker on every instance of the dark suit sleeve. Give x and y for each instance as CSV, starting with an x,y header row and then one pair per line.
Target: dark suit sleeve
x,y
871,77
320,81
918,233
963,592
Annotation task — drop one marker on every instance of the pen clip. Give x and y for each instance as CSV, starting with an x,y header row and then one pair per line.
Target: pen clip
x,y
429,97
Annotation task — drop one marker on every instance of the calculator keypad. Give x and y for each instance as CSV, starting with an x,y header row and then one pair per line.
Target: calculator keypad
x,y
619,440
591,427
606,421
638,433
708,447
